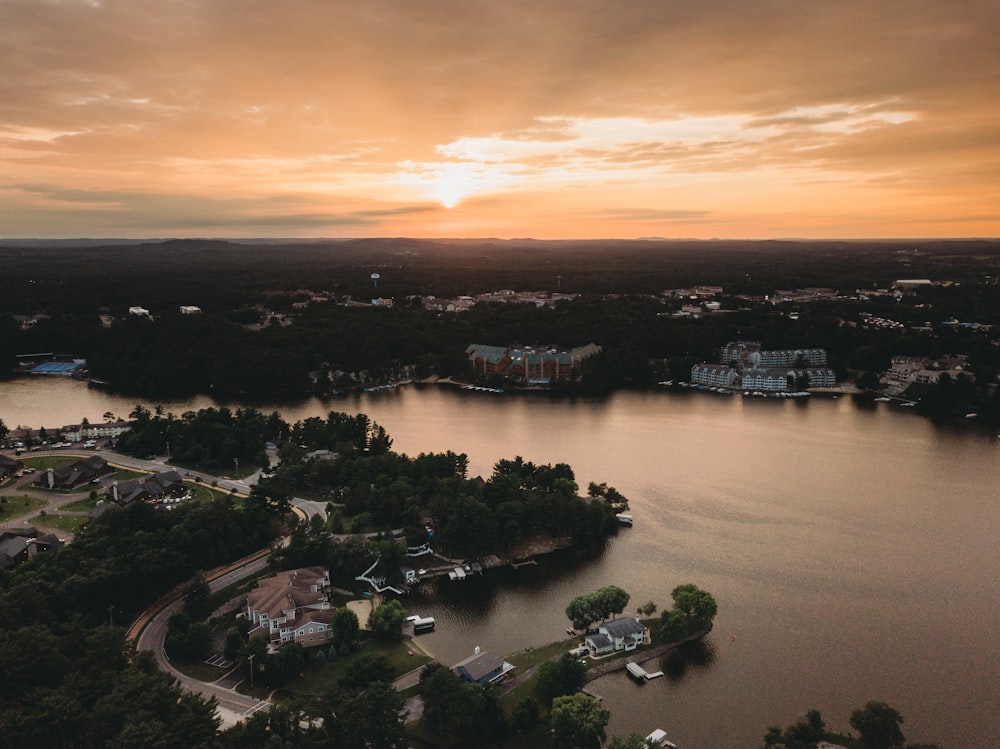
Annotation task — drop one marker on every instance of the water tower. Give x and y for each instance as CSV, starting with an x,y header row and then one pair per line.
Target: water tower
x,y
375,278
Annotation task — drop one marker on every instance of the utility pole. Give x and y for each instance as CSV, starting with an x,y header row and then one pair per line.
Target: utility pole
x,y
111,615
250,658
237,461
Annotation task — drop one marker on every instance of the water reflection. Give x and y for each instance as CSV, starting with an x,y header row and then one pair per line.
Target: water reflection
x,y
852,550
698,654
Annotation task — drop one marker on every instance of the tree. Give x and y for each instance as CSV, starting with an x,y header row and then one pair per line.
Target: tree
x,y
601,604
878,725
578,722
525,714
439,688
697,606
198,598
344,627
560,677
387,620
632,741
233,643
365,669
4,431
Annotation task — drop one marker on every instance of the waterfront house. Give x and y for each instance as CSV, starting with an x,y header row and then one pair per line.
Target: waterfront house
x,y
482,668
626,633
599,644
292,606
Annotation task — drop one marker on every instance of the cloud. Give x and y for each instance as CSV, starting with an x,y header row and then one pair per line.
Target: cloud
x,y
399,102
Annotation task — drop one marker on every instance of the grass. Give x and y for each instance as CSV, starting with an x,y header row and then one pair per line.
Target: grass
x,y
48,461
123,474
68,523
531,657
16,506
82,505
318,674
199,670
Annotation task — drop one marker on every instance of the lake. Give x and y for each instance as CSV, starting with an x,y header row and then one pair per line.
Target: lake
x,y
852,551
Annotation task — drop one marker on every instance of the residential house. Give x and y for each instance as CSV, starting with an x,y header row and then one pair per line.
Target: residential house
x,y
9,466
599,644
17,546
626,633
482,668
292,606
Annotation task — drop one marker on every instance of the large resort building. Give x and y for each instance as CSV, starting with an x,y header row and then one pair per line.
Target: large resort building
x,y
292,607
747,366
531,365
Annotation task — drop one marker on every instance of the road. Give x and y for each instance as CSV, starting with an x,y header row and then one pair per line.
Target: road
x,y
232,706
150,628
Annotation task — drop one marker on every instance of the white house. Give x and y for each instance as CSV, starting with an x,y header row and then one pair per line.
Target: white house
x,y
626,633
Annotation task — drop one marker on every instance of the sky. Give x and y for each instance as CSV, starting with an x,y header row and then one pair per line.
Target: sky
x,y
500,118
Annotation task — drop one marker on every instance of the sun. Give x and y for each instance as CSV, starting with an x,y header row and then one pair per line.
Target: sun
x,y
451,182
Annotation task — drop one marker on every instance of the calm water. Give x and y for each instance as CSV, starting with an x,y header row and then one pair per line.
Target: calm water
x,y
853,552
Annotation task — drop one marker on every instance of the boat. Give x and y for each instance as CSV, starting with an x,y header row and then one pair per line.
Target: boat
x,y
636,671
423,625
624,518
659,738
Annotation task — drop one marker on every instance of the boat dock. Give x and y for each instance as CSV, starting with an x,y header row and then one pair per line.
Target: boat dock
x,y
640,674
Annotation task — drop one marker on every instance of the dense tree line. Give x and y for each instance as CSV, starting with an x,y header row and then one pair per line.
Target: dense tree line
x,y
472,517
66,676
343,343
212,438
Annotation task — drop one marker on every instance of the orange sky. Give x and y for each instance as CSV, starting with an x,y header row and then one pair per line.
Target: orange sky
x,y
506,118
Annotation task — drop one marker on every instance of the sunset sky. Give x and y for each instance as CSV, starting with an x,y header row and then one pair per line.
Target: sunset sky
x,y
503,118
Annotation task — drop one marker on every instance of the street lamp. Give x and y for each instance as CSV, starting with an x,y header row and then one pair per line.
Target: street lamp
x,y
111,615
250,658
237,461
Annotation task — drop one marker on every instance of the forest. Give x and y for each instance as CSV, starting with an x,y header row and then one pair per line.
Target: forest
x,y
282,321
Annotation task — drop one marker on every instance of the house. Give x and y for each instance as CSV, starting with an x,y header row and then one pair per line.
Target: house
x,y
74,473
626,633
292,606
482,668
17,546
599,644
9,466
156,486
190,309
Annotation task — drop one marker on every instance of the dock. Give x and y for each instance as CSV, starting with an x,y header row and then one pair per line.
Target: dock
x,y
640,674
517,565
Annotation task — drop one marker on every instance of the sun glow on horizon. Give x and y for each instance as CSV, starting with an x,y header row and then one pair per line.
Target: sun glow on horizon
x,y
451,182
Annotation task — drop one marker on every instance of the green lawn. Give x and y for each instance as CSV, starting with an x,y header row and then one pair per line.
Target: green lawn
x,y
199,670
82,505
12,507
48,461
401,655
123,474
69,523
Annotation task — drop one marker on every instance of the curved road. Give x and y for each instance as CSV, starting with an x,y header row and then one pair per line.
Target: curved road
x,y
151,628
